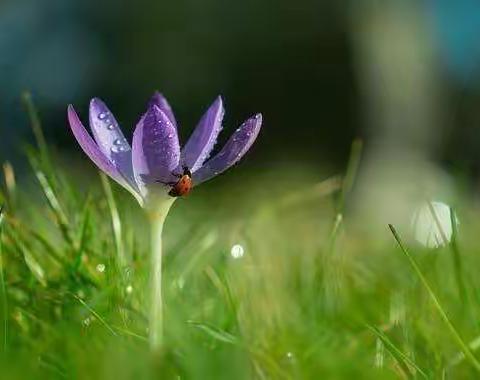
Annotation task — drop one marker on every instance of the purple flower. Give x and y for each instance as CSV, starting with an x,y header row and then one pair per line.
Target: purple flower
x,y
155,157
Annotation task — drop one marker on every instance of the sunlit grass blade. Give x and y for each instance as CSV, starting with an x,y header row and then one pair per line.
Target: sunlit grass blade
x,y
54,203
402,359
30,233
215,332
116,223
81,240
457,267
221,284
319,190
453,331
347,185
457,258
3,287
30,260
10,186
350,174
36,127
94,313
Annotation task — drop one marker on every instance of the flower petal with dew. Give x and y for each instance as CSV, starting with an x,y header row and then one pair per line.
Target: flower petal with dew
x,y
110,139
93,151
154,161
235,148
161,102
156,150
201,142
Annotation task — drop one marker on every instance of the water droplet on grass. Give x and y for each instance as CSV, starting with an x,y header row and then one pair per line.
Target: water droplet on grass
x,y
237,251
432,224
100,268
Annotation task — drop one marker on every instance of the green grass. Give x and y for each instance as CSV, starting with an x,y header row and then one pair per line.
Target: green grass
x,y
313,296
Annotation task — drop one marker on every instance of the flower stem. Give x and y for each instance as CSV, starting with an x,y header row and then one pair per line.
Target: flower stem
x,y
155,332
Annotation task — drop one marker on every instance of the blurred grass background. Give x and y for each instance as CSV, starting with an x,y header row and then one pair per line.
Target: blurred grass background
x,y
315,294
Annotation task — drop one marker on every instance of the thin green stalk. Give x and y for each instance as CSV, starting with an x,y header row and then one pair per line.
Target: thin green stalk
x,y
351,173
455,334
36,126
404,361
157,219
116,223
95,314
3,287
347,184
457,259
454,247
10,185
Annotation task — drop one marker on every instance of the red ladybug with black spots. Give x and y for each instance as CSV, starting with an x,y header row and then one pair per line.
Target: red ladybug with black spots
x,y
184,184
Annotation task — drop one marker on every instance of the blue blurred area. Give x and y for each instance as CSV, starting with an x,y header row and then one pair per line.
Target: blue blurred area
x,y
46,49
457,31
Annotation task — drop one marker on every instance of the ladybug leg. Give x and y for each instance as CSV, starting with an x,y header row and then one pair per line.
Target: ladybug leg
x,y
186,171
166,183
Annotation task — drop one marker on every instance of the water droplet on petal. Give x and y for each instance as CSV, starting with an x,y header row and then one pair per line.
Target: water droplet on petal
x,y
102,115
110,127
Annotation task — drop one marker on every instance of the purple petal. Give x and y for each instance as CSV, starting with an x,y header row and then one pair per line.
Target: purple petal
x,y
156,151
201,142
240,142
110,138
91,149
161,102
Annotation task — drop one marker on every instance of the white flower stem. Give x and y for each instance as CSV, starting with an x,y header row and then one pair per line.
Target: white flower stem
x,y
157,219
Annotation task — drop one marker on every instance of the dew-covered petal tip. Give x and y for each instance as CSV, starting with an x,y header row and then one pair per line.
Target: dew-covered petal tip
x,y
161,102
110,139
155,150
201,142
232,152
91,149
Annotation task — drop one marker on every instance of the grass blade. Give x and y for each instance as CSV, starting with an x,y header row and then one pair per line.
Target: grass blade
x,y
403,360
10,185
55,206
3,287
350,174
455,334
215,332
98,316
116,223
36,126
457,259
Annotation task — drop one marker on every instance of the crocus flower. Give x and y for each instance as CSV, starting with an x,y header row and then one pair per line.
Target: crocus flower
x,y
155,159
150,168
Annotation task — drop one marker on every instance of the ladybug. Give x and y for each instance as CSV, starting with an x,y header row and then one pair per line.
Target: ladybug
x,y
183,185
